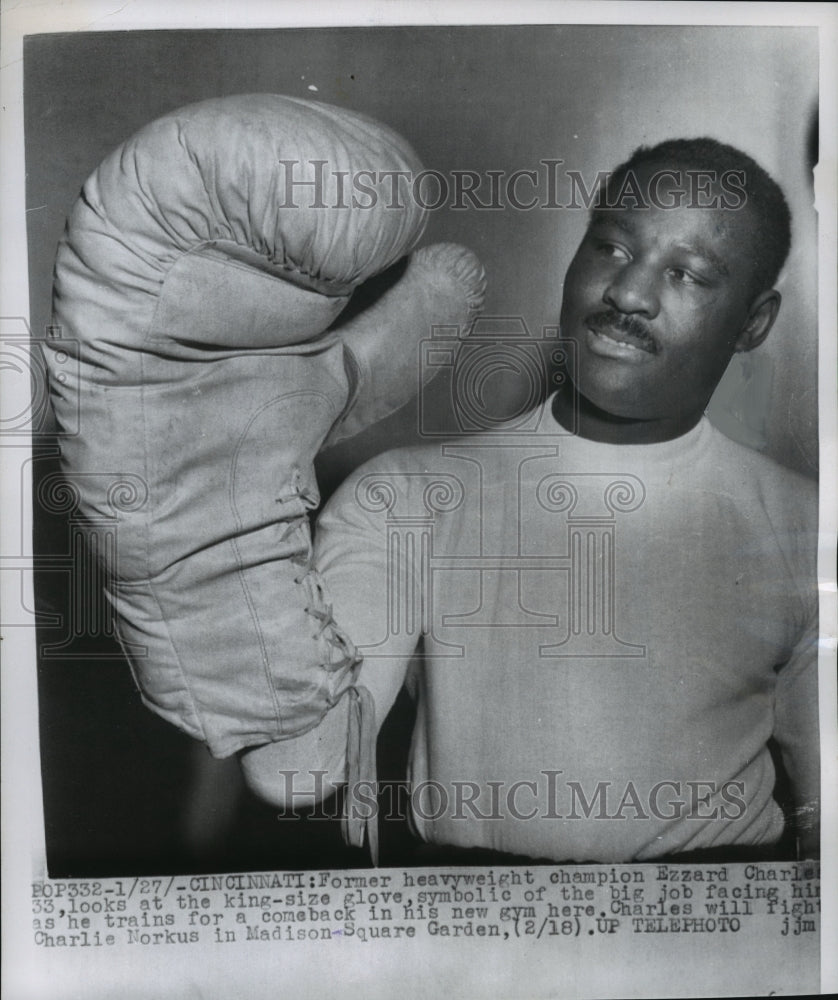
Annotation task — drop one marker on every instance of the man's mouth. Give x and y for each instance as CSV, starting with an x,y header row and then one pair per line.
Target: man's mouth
x,y
628,333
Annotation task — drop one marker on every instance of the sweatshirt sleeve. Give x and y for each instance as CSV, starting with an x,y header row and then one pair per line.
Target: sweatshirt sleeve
x,y
796,731
362,566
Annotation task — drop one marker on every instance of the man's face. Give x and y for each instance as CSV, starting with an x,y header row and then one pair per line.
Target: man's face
x,y
656,300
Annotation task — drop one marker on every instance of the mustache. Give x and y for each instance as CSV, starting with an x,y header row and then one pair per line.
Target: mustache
x,y
610,319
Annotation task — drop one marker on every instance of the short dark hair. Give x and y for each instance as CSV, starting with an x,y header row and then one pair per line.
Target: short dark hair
x,y
764,195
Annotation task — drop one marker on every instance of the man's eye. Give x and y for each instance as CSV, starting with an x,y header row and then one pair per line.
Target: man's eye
x,y
683,277
612,250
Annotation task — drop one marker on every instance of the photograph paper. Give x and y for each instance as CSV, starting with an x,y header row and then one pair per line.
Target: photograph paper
x,y
418,442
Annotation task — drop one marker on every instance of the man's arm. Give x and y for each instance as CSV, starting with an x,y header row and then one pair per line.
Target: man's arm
x,y
350,553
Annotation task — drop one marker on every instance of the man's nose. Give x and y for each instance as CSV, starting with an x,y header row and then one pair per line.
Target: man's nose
x,y
633,289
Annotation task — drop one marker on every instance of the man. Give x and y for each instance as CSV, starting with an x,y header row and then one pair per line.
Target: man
x,y
617,609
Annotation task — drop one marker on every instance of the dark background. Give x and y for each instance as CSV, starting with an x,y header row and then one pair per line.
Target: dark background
x,y
123,791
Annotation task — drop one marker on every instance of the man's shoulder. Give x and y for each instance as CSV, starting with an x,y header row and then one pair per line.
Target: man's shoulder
x,y
783,493
400,482
761,466
423,457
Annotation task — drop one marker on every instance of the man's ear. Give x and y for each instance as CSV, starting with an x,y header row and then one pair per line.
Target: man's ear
x,y
760,319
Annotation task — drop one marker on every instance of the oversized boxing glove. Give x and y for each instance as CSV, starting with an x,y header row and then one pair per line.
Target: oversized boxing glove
x,y
198,286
